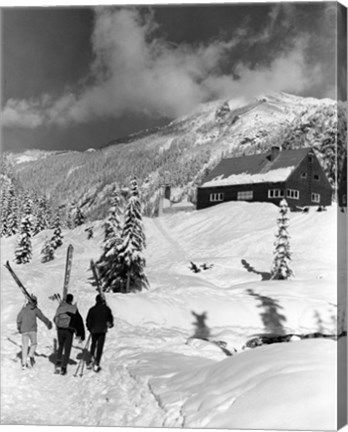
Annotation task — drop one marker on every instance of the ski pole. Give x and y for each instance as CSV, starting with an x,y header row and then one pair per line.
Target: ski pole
x,y
81,362
84,362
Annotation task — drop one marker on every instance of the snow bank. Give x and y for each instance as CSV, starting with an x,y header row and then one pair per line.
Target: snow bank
x,y
291,386
153,374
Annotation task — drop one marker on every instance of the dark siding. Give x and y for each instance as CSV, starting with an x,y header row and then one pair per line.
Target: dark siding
x,y
260,193
309,185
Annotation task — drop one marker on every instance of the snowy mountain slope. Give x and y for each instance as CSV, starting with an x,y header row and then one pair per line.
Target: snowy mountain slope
x,y
152,373
179,153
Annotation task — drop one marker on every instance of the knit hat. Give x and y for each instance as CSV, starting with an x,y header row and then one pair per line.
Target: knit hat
x,y
34,298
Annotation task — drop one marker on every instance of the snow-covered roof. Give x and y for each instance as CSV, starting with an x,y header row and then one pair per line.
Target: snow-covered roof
x,y
259,168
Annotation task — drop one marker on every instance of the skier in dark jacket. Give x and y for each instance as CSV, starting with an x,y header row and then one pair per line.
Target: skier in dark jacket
x,y
99,319
68,321
27,326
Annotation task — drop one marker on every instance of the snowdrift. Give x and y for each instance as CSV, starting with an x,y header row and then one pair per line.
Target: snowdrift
x,y
153,372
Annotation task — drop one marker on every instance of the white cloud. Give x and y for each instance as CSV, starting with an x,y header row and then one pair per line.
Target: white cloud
x,y
135,72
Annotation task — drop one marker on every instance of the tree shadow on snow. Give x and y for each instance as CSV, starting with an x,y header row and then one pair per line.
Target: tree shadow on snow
x,y
271,317
250,269
202,331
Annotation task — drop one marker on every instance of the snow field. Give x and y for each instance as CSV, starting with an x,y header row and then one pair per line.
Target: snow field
x,y
152,373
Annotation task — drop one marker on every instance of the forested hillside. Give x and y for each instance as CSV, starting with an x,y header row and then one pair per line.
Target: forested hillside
x,y
184,151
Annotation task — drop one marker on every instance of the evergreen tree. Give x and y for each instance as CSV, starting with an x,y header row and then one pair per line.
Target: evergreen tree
x,y
282,255
4,205
57,238
42,215
89,231
47,251
9,207
13,211
70,217
23,252
79,218
108,264
131,258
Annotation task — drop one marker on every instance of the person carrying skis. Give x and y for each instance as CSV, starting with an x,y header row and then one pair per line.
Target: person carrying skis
x,y
99,320
68,321
27,326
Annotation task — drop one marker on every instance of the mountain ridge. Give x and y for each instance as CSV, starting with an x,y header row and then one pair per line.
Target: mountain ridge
x,y
183,151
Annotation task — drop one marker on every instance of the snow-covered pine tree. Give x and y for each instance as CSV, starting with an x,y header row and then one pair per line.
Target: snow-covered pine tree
x,y
23,252
4,204
79,218
57,238
47,251
70,217
282,254
42,217
13,210
90,233
9,207
131,257
108,264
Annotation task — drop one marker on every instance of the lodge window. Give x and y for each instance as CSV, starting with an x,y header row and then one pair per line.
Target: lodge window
x,y
293,193
316,177
303,175
216,197
316,197
310,159
245,195
275,193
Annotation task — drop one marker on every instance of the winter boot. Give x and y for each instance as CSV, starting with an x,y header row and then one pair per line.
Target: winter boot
x,y
63,371
57,368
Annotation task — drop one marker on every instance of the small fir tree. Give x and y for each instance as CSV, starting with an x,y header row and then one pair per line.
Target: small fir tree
x,y
90,233
108,264
70,217
79,218
13,210
47,252
23,252
9,208
57,238
131,257
282,255
42,215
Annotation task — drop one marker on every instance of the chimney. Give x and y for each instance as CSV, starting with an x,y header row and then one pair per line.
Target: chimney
x,y
274,153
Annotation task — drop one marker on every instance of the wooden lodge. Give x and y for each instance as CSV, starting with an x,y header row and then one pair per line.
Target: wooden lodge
x,y
295,175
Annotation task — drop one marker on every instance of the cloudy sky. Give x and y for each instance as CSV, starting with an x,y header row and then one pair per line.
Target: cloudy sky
x,y
74,78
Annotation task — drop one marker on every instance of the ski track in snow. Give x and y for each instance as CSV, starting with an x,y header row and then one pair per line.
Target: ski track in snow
x,y
113,395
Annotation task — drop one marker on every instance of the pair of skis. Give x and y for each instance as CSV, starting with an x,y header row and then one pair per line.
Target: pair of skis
x,y
99,289
25,292
80,367
28,297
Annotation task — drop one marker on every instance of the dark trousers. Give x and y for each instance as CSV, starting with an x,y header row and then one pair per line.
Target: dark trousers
x,y
97,346
65,339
